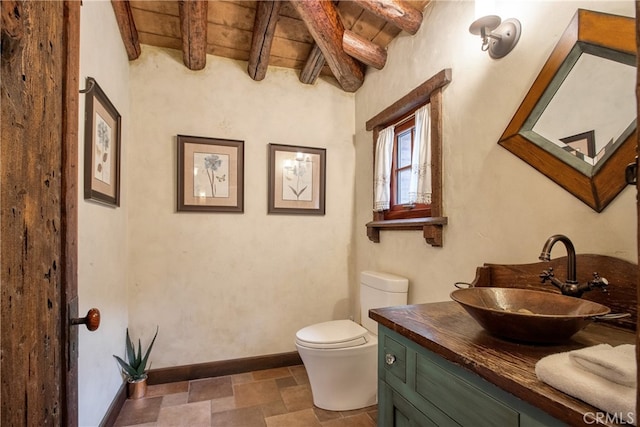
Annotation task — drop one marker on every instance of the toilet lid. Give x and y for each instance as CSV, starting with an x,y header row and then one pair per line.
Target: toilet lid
x,y
332,334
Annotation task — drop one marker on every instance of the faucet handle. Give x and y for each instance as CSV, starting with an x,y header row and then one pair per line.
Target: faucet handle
x,y
599,282
546,275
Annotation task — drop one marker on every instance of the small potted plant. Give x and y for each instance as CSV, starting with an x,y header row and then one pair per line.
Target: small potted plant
x,y
135,369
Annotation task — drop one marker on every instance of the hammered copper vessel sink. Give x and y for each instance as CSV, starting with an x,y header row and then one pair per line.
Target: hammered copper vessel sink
x,y
527,315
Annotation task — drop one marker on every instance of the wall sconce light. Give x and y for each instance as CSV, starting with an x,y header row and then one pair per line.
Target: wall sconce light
x,y
498,37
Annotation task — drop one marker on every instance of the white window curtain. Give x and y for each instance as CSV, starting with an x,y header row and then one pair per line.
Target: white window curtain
x,y
420,183
382,172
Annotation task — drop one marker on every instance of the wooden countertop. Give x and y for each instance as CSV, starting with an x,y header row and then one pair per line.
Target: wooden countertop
x,y
445,329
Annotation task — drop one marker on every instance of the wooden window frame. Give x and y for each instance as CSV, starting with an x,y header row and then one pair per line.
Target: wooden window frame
x,y
396,210
429,92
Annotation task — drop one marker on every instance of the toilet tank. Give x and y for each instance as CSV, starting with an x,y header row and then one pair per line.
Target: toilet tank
x,y
377,290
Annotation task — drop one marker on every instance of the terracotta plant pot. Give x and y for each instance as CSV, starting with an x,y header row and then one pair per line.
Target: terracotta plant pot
x,y
137,388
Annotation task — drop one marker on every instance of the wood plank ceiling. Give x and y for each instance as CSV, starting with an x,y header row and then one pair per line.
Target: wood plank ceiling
x,y
321,38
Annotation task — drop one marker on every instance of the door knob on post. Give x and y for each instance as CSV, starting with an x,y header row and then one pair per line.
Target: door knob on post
x,y
91,321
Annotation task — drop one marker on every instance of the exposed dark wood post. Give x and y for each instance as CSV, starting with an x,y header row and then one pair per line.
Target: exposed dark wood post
x,y
69,200
323,22
364,50
34,99
396,12
127,26
264,28
193,25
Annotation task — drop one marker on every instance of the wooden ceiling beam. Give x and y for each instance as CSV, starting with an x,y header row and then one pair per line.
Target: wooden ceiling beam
x,y
323,22
127,26
313,67
193,25
397,12
364,50
264,28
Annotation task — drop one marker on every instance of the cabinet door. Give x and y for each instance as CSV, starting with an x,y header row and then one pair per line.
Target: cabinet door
x,y
466,403
396,411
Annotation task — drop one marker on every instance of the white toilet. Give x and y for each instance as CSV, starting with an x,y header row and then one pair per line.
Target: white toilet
x,y
340,356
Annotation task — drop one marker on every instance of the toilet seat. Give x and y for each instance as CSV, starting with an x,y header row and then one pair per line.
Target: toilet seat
x,y
332,334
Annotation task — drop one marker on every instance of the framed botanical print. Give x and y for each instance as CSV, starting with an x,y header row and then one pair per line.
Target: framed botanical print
x,y
210,174
296,180
101,147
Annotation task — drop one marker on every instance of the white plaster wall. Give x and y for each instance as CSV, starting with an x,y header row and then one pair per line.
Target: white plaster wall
x,y
102,230
500,209
224,286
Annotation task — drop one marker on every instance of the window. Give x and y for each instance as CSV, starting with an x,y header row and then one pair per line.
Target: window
x,y
403,144
392,207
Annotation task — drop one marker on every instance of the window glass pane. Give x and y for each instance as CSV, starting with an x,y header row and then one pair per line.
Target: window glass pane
x,y
402,194
404,150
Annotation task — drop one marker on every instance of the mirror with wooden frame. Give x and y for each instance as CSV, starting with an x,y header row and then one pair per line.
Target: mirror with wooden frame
x,y
577,123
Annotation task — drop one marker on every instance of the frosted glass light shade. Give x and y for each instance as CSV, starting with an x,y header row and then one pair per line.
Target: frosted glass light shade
x,y
488,23
484,8
484,17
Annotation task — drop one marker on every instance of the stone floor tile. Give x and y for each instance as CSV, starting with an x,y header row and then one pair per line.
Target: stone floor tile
x,y
175,399
286,382
300,374
358,411
274,408
139,411
297,397
360,420
256,393
246,377
373,413
223,404
304,418
210,388
268,374
245,417
324,415
169,388
197,414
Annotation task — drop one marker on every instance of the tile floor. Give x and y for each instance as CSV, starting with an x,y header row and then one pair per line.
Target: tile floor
x,y
278,397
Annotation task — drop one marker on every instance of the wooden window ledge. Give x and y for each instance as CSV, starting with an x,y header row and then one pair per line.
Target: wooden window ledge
x,y
431,228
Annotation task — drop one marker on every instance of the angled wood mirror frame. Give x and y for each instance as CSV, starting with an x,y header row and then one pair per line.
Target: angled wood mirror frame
x,y
608,38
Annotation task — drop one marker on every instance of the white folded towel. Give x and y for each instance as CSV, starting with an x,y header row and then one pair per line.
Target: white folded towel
x,y
617,364
559,371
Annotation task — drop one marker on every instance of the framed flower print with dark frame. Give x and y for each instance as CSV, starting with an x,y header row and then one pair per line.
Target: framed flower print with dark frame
x,y
296,180
101,147
210,174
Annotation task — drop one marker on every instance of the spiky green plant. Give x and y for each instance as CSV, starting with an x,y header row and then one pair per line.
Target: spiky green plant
x,y
136,367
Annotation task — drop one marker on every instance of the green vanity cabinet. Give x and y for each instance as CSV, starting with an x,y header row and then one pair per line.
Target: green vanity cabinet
x,y
419,388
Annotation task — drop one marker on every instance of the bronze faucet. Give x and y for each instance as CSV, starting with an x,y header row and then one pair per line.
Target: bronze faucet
x,y
571,286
